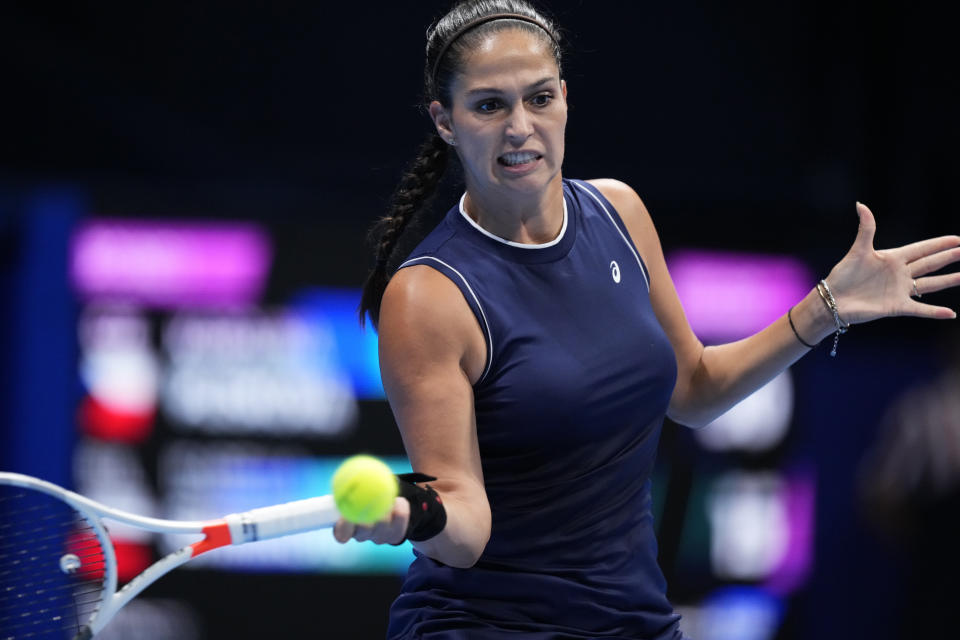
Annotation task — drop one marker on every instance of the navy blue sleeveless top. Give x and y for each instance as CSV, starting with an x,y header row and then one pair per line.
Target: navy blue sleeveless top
x,y
569,409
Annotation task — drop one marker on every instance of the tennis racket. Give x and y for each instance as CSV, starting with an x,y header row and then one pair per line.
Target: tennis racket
x,y
58,570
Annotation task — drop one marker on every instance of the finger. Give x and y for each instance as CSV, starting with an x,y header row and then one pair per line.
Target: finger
x,y
923,248
362,533
392,529
343,530
920,310
399,518
868,227
935,262
379,533
931,284
388,532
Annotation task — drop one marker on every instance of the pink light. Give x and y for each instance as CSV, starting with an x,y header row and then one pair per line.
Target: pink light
x,y
170,264
728,296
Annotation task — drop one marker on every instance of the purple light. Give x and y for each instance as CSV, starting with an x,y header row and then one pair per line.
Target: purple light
x,y
728,296
799,496
170,264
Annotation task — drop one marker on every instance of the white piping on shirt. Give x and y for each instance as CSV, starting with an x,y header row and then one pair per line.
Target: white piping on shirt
x,y
617,227
486,324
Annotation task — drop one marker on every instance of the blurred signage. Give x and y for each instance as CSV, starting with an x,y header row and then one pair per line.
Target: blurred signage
x,y
273,374
165,265
200,402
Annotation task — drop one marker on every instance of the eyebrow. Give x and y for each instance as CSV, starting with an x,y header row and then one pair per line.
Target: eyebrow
x,y
535,85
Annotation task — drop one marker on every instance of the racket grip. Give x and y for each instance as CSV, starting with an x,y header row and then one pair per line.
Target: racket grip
x,y
282,519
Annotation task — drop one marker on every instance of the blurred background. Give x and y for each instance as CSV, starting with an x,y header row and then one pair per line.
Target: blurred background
x,y
185,190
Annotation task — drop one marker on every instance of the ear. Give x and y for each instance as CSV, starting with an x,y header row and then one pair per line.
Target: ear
x,y
441,120
563,88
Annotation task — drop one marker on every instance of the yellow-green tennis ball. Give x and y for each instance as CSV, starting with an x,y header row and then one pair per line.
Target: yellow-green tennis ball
x,y
364,489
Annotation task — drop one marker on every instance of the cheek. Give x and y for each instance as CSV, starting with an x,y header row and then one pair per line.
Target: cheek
x,y
559,130
480,142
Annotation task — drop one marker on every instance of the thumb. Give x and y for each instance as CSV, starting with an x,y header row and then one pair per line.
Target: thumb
x,y
868,226
343,530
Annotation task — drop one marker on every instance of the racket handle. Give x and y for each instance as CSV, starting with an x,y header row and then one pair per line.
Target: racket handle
x,y
282,519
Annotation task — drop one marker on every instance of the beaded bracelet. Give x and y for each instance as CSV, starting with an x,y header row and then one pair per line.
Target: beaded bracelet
x,y
824,290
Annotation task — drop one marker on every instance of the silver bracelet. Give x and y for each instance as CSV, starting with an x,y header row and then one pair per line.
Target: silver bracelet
x,y
824,290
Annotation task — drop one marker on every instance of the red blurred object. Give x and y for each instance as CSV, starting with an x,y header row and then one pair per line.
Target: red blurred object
x,y
132,558
86,546
100,421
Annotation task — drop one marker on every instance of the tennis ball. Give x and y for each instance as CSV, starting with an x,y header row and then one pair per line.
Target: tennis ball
x,y
364,489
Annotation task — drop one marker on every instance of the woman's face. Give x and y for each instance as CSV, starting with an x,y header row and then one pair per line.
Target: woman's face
x,y
508,114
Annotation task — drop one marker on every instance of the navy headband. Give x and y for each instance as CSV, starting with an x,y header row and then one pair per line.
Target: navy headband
x,y
476,22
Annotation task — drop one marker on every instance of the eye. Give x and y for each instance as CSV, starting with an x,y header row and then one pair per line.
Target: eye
x,y
542,99
488,106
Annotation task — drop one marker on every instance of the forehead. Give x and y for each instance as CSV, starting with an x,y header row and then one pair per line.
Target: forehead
x,y
506,59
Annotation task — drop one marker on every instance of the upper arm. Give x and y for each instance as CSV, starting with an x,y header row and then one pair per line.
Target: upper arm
x,y
663,295
431,351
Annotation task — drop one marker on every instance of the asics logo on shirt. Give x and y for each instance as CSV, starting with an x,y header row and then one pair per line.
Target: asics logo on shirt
x,y
615,271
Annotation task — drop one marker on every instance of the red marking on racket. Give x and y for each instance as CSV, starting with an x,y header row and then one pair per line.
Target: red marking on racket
x,y
218,535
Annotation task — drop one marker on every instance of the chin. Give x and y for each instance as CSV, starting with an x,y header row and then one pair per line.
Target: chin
x,y
532,182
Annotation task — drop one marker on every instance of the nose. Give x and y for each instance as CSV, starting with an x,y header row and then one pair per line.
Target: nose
x,y
519,125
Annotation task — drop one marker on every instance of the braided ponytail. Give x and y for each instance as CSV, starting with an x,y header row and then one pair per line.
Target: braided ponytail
x,y
415,188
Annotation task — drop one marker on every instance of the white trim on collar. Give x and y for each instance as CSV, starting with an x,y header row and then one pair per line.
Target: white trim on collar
x,y
519,245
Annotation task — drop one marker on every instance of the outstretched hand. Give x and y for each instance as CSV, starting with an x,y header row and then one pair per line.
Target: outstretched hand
x,y
870,284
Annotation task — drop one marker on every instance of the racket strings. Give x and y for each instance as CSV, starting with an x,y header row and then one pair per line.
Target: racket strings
x,y
52,566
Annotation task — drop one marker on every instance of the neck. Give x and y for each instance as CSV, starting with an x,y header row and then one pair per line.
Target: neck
x,y
534,218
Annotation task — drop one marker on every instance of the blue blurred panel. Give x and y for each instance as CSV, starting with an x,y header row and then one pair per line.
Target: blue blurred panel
x,y
336,309
39,428
740,613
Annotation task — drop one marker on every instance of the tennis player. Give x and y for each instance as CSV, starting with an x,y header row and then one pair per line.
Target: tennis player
x,y
533,342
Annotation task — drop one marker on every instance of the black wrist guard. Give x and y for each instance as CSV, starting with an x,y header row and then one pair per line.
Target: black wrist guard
x,y
427,515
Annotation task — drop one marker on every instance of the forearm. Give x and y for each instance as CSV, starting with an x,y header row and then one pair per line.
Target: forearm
x,y
725,374
463,539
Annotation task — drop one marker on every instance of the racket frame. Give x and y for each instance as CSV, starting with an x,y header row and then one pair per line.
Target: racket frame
x,y
236,528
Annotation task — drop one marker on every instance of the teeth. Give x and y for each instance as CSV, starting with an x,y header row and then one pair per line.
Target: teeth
x,y
518,157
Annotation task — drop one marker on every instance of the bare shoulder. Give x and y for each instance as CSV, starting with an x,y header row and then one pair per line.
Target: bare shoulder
x,y
631,209
614,189
424,321
422,297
